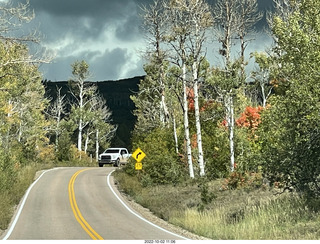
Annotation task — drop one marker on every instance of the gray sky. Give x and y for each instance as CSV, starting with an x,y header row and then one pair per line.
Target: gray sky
x,y
105,33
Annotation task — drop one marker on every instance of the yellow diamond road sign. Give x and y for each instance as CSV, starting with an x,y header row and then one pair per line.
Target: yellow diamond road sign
x,y
138,155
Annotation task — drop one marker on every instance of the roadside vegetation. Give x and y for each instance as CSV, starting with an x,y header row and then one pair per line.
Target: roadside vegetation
x,y
249,213
231,154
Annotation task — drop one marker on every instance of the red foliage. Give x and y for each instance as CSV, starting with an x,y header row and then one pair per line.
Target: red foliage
x,y
207,105
194,143
190,97
224,123
250,118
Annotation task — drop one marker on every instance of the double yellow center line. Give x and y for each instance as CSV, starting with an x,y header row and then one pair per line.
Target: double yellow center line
x,y
84,224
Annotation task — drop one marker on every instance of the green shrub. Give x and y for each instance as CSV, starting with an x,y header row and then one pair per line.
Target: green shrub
x,y
216,150
161,165
291,153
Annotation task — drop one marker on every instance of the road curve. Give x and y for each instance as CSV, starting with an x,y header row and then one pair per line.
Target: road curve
x,y
79,204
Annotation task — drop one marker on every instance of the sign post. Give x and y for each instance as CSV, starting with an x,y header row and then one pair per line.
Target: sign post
x,y
138,155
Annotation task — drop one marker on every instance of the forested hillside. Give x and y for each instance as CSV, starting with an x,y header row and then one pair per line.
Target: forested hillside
x,y
117,95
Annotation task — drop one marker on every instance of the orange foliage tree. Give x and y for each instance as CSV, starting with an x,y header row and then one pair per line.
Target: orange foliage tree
x,y
190,97
250,118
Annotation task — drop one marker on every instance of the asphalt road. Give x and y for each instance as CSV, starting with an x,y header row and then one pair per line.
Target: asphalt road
x,y
79,204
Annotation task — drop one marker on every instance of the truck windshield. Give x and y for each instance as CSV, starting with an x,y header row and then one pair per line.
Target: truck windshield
x,y
112,151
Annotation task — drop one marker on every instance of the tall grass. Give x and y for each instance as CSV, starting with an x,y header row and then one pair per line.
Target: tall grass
x,y
11,195
254,214
283,218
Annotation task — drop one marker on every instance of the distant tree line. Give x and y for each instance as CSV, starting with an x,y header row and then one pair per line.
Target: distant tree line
x,y
82,110
116,95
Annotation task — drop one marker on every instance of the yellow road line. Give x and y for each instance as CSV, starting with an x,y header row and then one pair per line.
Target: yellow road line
x,y
84,224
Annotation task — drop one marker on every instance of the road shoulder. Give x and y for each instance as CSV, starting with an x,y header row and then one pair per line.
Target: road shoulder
x,y
148,215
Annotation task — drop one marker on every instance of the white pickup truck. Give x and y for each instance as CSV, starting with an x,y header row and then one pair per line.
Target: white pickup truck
x,y
115,156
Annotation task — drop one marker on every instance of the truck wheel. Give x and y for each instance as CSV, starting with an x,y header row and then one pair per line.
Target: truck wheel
x,y
117,163
100,165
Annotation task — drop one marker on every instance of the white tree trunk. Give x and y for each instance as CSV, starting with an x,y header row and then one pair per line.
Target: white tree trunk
x,y
58,130
80,136
197,117
264,98
186,122
86,143
97,145
230,118
80,127
59,115
265,95
164,114
20,132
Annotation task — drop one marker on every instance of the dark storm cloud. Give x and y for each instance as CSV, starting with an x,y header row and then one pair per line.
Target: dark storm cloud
x,y
77,30
91,8
109,62
88,17
103,32
129,30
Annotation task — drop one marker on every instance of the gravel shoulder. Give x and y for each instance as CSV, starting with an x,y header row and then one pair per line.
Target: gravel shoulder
x,y
148,215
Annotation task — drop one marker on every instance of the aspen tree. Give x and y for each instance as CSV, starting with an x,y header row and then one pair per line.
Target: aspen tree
x,y
82,92
233,20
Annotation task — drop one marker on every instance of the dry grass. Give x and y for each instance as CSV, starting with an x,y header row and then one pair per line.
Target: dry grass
x,y
233,214
283,218
11,196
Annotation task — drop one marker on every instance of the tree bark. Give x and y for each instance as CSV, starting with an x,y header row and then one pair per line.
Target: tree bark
x,y
80,135
186,121
197,117
175,135
97,145
230,119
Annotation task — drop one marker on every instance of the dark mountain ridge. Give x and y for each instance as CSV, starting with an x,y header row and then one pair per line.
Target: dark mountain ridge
x,y
117,95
